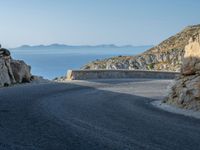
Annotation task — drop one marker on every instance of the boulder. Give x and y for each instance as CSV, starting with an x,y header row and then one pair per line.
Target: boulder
x,y
21,71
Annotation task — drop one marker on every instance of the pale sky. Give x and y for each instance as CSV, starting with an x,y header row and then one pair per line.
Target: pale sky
x,y
93,22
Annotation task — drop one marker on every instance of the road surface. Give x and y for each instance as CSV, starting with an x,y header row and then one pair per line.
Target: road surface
x,y
93,115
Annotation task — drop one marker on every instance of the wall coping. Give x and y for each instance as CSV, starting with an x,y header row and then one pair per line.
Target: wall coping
x,y
119,73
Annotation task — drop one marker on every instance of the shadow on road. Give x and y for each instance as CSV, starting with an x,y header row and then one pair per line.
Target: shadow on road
x,y
113,81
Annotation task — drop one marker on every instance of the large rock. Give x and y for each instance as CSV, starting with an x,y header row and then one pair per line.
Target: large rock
x,y
21,71
167,56
12,71
186,90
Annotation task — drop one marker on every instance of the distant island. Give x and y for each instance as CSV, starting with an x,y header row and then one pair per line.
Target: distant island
x,y
63,46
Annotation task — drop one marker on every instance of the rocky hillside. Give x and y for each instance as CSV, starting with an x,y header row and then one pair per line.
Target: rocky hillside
x,y
186,90
12,71
166,56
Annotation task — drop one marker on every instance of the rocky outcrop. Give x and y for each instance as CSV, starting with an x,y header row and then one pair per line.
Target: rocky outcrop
x,y
12,71
167,56
186,90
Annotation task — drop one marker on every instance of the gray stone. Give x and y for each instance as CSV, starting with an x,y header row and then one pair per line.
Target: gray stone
x,y
21,71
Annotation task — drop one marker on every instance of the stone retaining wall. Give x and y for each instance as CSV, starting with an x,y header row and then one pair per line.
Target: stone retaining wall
x,y
114,74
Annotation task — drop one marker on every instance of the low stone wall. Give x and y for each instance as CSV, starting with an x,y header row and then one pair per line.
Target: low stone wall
x,y
114,74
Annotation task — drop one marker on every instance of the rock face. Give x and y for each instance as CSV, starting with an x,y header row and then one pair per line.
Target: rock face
x,y
12,71
166,56
186,90
191,61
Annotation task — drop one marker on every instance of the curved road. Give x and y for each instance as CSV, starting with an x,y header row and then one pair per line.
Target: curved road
x,y
95,115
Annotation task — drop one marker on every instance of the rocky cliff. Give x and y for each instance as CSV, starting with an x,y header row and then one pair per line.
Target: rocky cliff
x,y
166,56
12,71
186,90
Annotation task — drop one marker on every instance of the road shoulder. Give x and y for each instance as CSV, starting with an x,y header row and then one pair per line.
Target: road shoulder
x,y
176,110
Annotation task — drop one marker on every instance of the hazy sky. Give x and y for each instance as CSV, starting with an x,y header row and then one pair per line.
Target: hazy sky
x,y
79,22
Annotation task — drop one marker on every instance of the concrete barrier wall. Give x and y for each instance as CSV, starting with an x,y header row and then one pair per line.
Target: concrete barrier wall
x,y
114,74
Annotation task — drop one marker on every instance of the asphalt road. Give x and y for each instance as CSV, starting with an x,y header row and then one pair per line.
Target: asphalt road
x,y
95,115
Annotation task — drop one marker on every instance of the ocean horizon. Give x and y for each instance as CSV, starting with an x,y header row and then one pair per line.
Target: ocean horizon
x,y
52,63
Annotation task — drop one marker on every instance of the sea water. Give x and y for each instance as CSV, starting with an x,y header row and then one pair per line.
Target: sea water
x,y
55,63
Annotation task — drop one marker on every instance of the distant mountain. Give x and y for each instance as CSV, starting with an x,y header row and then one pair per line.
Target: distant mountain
x,y
63,46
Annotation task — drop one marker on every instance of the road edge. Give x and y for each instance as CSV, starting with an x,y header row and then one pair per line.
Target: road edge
x,y
176,110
